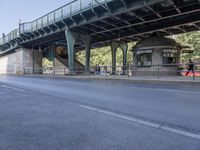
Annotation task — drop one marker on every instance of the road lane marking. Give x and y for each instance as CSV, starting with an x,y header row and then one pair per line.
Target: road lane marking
x,y
121,116
168,90
178,91
144,122
14,88
181,132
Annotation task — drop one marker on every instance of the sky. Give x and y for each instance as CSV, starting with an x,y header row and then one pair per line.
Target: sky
x,y
11,11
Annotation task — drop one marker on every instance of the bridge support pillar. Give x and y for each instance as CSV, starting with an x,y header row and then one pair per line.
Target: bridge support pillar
x,y
72,37
124,46
37,61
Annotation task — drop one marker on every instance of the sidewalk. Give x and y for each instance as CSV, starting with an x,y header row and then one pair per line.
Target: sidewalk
x,y
126,78
153,79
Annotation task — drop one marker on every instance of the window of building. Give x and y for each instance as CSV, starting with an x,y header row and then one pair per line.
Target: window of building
x,y
144,58
169,56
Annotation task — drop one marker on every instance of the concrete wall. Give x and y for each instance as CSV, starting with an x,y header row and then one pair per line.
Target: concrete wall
x,y
60,68
20,62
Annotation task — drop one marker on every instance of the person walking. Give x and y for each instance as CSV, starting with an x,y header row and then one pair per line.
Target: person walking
x,y
190,67
96,71
99,70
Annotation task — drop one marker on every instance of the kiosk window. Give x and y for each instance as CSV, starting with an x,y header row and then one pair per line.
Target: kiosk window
x,y
169,56
144,58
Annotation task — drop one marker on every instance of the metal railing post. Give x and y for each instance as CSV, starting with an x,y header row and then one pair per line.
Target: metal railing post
x,y
193,72
106,71
80,5
158,74
62,15
89,71
70,10
54,15
47,20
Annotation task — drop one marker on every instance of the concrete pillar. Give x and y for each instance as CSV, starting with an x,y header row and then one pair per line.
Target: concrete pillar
x,y
37,62
22,61
72,37
124,46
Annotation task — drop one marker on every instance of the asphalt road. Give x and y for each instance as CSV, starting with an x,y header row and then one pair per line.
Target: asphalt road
x,y
64,114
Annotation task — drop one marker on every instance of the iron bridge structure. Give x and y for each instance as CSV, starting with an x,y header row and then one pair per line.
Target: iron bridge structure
x,y
104,22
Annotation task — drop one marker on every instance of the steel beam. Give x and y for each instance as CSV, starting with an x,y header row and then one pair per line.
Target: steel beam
x,y
196,26
154,20
152,10
174,5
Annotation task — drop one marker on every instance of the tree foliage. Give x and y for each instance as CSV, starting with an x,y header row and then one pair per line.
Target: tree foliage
x,y
46,63
102,55
191,39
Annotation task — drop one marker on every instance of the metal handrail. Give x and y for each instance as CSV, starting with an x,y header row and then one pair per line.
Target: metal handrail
x,y
58,14
1,41
10,36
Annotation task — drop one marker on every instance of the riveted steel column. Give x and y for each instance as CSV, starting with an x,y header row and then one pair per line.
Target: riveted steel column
x,y
70,47
71,38
87,57
114,46
87,41
124,47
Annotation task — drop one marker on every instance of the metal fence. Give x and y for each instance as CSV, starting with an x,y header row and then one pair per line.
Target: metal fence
x,y
10,36
153,72
59,14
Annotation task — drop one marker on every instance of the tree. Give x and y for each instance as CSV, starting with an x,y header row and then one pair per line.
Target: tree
x,y
191,39
103,56
47,63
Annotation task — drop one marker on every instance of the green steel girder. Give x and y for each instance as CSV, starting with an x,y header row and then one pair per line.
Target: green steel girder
x,y
125,19
71,38
124,47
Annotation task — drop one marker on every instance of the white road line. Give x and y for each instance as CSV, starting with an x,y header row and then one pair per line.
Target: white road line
x,y
178,91
168,90
143,122
181,132
14,88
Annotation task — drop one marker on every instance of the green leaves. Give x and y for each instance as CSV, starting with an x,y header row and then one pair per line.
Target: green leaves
x,y
47,63
103,56
191,39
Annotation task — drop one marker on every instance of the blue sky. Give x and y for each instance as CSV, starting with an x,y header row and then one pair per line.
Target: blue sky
x,y
11,11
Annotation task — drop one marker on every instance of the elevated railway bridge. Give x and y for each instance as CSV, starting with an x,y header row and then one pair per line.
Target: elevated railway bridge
x,y
99,23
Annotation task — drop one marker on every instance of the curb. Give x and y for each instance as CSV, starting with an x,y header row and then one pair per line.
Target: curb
x,y
125,80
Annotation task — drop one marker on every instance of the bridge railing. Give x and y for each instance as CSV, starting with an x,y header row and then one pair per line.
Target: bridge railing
x,y
59,14
1,41
10,36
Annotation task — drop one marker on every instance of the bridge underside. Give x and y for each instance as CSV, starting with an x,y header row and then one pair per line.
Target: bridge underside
x,y
123,19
